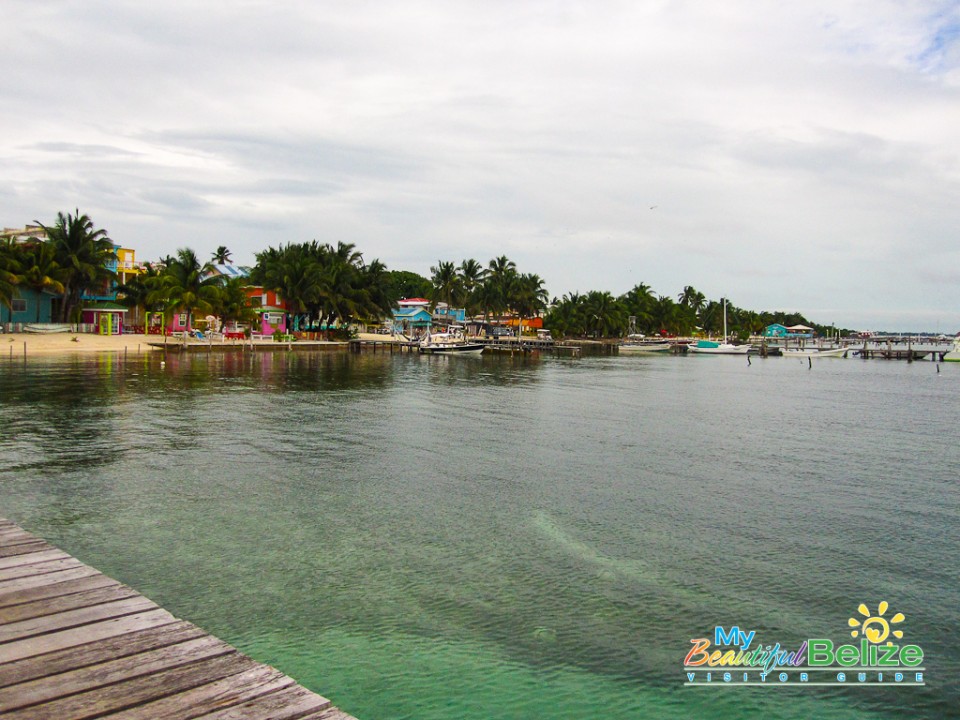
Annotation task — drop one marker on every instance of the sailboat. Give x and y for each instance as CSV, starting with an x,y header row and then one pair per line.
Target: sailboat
x,y
719,348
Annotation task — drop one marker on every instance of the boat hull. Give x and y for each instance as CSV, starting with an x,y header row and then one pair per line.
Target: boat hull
x,y
459,349
628,348
721,349
833,352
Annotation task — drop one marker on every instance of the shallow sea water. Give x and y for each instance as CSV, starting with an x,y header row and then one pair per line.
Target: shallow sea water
x,y
432,537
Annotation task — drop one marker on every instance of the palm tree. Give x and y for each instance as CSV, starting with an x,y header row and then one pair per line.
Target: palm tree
x,y
187,286
501,271
446,284
41,271
528,297
604,315
692,298
221,255
9,266
639,302
471,275
232,304
84,254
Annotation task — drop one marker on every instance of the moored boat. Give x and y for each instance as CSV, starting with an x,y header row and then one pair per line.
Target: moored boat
x,y
815,352
644,346
717,348
953,355
449,344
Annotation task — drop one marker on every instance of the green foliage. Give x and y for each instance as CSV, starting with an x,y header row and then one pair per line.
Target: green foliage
x,y
405,284
83,254
323,284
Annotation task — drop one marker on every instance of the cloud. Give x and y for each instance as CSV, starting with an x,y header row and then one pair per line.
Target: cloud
x,y
794,153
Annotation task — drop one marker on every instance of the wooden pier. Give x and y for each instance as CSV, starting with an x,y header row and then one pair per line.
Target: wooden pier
x,y
76,644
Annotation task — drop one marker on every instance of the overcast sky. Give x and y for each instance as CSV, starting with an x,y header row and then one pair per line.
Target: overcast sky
x,y
797,156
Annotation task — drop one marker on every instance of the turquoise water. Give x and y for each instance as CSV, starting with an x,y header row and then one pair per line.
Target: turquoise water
x,y
432,537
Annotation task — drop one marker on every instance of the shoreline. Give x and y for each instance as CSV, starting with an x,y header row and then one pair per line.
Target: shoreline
x,y
68,343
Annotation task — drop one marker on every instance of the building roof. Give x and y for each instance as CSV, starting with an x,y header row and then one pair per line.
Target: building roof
x,y
105,307
230,271
411,302
800,328
410,312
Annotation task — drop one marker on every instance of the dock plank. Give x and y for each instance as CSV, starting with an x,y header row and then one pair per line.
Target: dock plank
x,y
98,651
73,618
38,568
41,580
199,701
38,557
68,586
135,691
63,603
41,644
287,704
48,688
76,644
24,548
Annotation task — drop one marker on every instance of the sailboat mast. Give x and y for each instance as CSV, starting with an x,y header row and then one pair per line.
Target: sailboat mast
x,y
724,319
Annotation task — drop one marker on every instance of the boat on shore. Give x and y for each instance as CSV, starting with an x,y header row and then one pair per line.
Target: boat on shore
x,y
815,352
448,344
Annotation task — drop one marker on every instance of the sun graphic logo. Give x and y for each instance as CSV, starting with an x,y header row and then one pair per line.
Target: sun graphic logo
x,y
876,628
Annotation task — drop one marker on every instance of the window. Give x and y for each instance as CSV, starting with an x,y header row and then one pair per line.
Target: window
x,y
182,320
19,305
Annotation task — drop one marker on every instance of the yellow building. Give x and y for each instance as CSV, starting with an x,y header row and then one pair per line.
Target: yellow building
x,y
127,265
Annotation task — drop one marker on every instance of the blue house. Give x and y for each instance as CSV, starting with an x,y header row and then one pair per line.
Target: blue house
x,y
446,314
775,331
412,317
28,306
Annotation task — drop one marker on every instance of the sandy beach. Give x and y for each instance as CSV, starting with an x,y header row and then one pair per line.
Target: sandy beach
x,y
45,345
37,344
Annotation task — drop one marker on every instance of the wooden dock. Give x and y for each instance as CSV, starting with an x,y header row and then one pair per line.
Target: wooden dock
x,y
76,644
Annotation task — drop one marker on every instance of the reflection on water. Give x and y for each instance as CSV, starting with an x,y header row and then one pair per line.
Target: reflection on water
x,y
432,537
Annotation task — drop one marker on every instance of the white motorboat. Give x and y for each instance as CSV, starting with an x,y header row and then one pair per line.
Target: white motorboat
x,y
717,348
815,352
643,346
449,344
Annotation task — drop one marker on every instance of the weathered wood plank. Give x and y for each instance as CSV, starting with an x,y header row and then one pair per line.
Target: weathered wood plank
x,y
331,713
24,548
214,696
39,568
12,531
52,687
76,644
286,704
32,581
73,618
136,691
75,601
32,558
55,590
98,651
30,647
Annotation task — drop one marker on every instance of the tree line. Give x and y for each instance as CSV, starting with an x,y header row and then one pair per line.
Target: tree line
x,y
641,310
325,285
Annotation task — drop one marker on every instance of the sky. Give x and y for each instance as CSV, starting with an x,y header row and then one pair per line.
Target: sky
x,y
796,156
